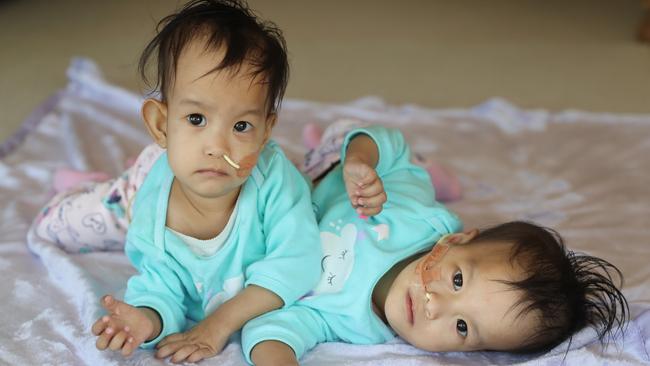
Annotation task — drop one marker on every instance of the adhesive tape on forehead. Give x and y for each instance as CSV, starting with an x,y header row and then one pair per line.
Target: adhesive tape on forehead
x,y
230,161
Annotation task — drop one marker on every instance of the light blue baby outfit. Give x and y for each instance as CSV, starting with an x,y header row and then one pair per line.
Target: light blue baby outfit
x,y
357,252
273,243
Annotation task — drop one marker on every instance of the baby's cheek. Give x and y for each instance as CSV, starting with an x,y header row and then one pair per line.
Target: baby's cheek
x,y
246,164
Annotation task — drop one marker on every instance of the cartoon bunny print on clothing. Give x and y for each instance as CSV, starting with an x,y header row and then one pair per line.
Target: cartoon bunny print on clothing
x,y
338,259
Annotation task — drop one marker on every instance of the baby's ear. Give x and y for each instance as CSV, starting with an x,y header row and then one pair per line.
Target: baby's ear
x,y
461,238
154,113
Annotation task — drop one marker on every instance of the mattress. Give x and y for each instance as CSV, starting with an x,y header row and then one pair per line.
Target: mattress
x,y
585,174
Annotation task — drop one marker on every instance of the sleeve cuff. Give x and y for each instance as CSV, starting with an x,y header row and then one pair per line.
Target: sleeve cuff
x,y
252,335
383,163
286,293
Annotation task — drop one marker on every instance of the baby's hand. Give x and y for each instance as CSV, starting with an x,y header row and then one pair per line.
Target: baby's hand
x,y
205,340
364,187
124,328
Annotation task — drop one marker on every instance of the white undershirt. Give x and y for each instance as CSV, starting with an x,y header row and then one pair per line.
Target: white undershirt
x,y
207,248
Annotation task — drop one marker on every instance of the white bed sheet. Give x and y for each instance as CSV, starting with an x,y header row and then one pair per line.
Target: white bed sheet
x,y
585,174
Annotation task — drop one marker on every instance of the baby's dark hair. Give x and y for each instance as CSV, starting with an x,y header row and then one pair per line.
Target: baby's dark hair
x,y
567,291
228,23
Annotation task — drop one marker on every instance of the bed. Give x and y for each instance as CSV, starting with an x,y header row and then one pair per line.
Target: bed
x,y
585,174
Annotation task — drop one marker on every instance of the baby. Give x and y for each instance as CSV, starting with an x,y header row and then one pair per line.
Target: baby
x,y
513,287
219,220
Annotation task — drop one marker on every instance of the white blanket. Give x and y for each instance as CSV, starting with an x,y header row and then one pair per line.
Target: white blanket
x,y
586,175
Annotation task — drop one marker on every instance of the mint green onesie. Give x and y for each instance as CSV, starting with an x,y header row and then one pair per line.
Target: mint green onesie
x,y
273,243
357,252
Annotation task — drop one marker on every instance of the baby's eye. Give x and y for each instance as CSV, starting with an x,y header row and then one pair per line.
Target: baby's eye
x,y
458,280
461,328
196,119
242,126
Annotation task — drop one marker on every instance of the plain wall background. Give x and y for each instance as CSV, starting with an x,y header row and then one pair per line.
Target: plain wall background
x,y
553,54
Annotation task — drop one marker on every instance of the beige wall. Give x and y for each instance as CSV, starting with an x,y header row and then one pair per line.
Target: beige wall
x,y
552,54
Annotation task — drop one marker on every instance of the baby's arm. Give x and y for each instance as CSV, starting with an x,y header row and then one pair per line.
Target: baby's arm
x,y
364,187
125,327
273,353
283,336
208,337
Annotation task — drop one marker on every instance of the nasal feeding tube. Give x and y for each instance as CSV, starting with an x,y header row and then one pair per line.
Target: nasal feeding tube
x,y
230,161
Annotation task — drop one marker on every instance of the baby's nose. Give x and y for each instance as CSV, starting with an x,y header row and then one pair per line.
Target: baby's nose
x,y
434,305
215,145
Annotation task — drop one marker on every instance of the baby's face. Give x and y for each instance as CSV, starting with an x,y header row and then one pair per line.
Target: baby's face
x,y
462,306
212,118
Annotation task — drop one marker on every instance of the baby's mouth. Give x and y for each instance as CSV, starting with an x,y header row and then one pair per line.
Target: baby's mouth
x,y
213,172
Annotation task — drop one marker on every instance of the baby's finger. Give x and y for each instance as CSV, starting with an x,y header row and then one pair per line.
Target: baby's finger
x,y
354,200
200,354
110,304
358,173
169,348
370,202
368,211
129,347
99,326
180,355
104,339
355,192
367,179
374,189
170,339
118,340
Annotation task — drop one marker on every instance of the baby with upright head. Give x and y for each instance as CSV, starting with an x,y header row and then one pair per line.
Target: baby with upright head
x,y
395,263
219,220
